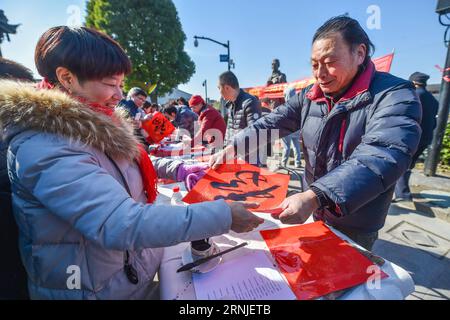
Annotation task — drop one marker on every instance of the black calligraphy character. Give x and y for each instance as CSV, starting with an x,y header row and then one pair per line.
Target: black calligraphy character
x,y
238,195
163,128
156,123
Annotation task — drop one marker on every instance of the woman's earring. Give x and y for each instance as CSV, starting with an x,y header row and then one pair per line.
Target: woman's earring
x,y
69,90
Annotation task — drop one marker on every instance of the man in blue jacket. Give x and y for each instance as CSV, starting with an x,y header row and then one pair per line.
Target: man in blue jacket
x,y
133,104
132,107
182,117
360,129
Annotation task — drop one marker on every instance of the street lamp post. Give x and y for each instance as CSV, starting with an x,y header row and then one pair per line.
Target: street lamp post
x,y
205,84
226,45
432,160
228,53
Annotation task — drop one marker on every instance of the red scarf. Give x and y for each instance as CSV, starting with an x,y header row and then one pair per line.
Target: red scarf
x,y
148,173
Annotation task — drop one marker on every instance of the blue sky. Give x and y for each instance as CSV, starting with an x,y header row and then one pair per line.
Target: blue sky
x,y
260,30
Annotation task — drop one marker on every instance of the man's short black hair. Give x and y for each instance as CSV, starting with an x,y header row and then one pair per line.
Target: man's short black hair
x,y
170,110
12,70
229,78
136,91
351,32
147,105
182,101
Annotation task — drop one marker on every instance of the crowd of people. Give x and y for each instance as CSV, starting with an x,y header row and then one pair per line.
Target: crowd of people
x,y
78,185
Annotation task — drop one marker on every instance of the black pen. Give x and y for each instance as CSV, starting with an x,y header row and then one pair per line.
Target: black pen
x,y
191,265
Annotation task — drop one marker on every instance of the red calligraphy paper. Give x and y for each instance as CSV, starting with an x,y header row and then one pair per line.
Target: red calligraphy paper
x,y
158,127
315,261
241,182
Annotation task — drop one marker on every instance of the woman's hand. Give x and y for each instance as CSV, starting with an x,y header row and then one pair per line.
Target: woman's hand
x,y
191,174
242,219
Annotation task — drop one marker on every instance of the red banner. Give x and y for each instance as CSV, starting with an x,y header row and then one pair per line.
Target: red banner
x,y
158,127
276,91
384,63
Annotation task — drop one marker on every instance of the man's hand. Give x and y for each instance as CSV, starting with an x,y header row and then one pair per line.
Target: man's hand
x,y
242,219
298,208
221,157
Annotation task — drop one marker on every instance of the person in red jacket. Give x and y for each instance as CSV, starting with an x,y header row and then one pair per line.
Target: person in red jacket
x,y
212,124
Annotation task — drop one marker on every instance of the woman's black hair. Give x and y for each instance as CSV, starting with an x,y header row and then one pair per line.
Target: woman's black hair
x,y
88,53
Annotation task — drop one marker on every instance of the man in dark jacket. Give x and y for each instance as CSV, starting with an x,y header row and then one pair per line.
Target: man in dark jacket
x,y
430,108
183,118
13,277
360,129
243,109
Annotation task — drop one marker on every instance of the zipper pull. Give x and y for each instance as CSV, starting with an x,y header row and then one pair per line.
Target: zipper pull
x,y
131,274
130,271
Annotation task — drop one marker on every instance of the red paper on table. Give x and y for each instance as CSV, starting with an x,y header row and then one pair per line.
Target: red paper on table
x,y
162,181
241,182
161,152
315,261
158,127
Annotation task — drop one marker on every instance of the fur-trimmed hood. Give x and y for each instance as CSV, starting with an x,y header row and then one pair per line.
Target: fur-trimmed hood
x,y
23,107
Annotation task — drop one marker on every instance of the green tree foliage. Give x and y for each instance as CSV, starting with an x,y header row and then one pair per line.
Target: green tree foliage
x,y
151,33
445,151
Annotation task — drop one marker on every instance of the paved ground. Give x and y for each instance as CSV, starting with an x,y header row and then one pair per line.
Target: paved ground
x,y
416,235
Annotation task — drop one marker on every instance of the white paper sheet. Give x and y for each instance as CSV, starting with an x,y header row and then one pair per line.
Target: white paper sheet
x,y
175,147
249,277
